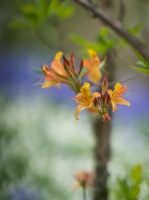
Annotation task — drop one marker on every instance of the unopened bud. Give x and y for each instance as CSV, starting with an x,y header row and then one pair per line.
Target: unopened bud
x,y
104,85
107,100
80,67
102,97
72,60
95,102
66,61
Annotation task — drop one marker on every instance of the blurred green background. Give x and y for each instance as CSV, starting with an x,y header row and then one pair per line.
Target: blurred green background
x,y
42,145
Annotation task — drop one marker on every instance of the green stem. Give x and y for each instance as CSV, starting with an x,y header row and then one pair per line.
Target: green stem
x,y
84,192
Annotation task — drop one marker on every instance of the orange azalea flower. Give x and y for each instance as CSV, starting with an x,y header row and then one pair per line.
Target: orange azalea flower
x,y
116,96
55,74
93,66
86,100
58,66
84,179
50,78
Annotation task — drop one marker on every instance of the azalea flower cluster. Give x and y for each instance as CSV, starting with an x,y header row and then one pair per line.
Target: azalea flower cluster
x,y
100,102
63,71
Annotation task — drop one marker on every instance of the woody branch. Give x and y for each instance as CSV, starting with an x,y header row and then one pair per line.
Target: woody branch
x,y
116,26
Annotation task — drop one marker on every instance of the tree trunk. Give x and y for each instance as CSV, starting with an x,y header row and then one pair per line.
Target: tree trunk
x,y
102,132
101,154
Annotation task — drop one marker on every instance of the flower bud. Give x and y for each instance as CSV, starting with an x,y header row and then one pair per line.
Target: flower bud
x,y
95,102
107,100
104,85
80,67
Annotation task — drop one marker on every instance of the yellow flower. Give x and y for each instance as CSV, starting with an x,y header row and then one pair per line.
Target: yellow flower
x,y
57,66
50,78
93,66
116,96
55,74
86,100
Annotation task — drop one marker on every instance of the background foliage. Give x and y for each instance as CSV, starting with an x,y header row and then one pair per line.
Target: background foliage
x,y
39,151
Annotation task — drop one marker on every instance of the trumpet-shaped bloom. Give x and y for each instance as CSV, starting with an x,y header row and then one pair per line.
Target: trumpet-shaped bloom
x,y
93,66
116,96
55,74
86,100
50,78
58,66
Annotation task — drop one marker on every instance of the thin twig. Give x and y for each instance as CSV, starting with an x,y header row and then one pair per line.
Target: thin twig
x,y
125,80
116,26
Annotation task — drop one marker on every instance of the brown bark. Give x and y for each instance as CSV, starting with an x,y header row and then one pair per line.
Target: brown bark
x,y
101,154
116,26
102,132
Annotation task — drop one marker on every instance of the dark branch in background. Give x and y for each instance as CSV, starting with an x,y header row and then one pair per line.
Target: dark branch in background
x,y
116,26
122,11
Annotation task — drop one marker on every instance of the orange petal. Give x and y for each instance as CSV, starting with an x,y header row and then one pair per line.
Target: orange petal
x,y
93,95
92,110
58,67
81,100
122,101
114,106
86,63
119,90
95,75
122,90
48,84
78,110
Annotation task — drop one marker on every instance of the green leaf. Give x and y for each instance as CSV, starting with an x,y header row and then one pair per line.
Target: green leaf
x,y
123,186
146,71
141,57
41,4
141,64
98,47
53,5
31,14
59,9
134,192
65,12
104,40
28,10
135,29
19,24
83,42
103,32
136,173
42,8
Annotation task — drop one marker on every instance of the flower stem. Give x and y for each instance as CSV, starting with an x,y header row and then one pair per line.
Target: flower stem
x,y
84,192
